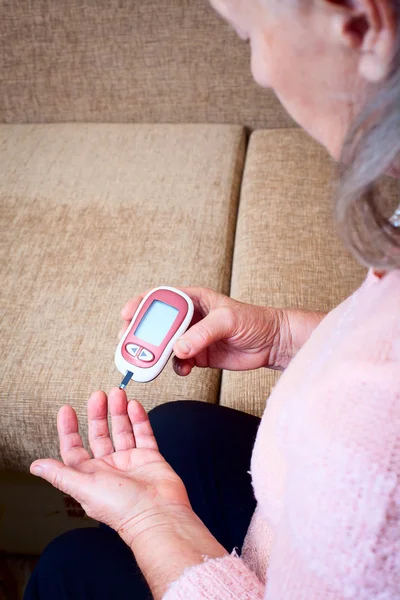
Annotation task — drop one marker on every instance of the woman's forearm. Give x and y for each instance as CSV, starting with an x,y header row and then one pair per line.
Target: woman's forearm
x,y
166,547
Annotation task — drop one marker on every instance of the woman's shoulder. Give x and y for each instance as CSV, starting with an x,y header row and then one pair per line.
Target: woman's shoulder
x,y
326,464
335,412
366,323
374,319
348,373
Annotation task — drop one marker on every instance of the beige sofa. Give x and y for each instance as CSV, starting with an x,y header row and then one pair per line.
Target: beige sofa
x,y
136,151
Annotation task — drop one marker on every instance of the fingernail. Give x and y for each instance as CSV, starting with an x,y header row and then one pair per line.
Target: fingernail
x,y
183,346
37,470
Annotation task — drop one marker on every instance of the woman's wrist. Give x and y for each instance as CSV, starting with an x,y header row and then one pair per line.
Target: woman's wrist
x,y
167,542
279,354
291,330
299,325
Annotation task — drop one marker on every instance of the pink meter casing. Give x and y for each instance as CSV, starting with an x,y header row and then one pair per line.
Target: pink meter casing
x,y
163,317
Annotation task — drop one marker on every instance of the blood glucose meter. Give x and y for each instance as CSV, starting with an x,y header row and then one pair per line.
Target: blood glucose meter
x,y
162,317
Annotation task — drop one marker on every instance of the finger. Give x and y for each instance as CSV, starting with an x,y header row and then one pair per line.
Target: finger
x,y
142,430
62,477
121,425
183,367
202,298
71,447
122,331
216,326
131,307
99,434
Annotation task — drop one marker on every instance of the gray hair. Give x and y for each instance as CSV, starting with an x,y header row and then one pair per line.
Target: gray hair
x,y
363,208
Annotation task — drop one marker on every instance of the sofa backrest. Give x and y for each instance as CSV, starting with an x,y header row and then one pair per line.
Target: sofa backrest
x,y
127,61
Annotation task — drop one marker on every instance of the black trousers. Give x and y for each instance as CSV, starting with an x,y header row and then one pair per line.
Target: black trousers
x,y
210,448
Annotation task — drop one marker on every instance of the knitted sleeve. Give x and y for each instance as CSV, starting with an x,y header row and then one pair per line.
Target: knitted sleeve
x,y
225,578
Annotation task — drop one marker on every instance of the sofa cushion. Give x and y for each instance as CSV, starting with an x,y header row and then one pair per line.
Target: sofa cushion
x,y
92,215
150,61
287,251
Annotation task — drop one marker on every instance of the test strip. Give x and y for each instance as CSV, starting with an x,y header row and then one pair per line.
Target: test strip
x,y
126,380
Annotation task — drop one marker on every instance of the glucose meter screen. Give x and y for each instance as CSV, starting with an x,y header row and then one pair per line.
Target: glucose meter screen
x,y
156,322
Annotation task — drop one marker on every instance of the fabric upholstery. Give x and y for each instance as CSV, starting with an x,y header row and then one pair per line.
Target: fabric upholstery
x,y
123,61
287,251
91,215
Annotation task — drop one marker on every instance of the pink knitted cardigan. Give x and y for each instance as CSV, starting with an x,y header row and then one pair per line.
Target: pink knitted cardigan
x,y
325,468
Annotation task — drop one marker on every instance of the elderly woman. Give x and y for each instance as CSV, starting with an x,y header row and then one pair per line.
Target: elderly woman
x,y
326,462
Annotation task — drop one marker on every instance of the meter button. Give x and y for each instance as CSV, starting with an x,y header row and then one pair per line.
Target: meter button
x,y
146,356
132,349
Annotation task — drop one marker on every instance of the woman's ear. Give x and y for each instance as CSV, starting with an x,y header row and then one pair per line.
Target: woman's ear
x,y
370,27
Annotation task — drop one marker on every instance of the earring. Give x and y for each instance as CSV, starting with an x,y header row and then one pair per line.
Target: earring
x,y
395,219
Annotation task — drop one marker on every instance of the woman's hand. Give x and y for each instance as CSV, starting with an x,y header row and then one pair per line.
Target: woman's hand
x,y
127,484
227,334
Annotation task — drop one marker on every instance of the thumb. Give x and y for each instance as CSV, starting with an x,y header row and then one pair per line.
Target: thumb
x,y
216,326
60,476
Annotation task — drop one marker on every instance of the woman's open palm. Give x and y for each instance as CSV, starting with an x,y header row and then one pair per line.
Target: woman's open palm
x,y
127,480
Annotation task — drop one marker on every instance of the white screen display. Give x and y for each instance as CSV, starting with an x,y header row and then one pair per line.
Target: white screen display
x,y
156,322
